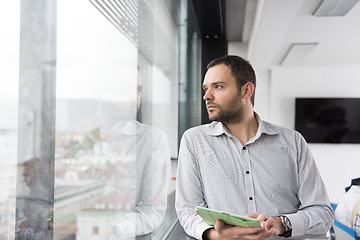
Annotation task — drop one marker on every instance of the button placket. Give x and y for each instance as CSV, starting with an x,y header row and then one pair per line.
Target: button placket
x,y
249,183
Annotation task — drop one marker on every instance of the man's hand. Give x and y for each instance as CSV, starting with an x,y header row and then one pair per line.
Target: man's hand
x,y
272,225
269,226
222,231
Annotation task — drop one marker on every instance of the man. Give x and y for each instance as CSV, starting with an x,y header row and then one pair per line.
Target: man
x,y
240,164
34,213
143,170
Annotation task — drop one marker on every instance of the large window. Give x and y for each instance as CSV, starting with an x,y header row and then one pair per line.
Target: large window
x,y
115,114
89,116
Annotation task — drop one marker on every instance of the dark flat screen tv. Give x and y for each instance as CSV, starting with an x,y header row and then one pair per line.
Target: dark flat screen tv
x,y
328,120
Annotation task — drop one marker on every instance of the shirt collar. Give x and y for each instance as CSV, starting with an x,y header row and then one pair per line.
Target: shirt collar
x,y
218,128
264,127
130,128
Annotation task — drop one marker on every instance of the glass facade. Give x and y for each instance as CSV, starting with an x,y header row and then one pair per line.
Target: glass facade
x,y
93,104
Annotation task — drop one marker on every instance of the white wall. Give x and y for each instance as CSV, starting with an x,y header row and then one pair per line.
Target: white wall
x,y
337,163
262,92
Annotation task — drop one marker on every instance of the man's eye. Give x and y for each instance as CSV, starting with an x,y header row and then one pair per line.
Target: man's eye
x,y
205,90
218,86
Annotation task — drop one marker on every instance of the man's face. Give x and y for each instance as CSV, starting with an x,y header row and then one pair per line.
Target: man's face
x,y
222,97
28,175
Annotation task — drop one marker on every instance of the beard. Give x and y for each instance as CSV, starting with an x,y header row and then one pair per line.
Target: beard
x,y
230,111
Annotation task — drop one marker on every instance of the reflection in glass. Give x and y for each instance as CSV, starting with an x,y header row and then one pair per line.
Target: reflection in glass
x,y
36,122
112,164
101,170
34,214
117,181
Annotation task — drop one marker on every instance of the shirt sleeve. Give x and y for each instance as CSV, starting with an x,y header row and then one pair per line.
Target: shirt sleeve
x,y
315,215
189,192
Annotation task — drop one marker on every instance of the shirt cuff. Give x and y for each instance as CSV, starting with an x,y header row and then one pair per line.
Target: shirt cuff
x,y
200,229
297,224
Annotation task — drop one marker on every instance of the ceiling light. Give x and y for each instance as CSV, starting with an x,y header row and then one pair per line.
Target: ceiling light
x,y
297,53
335,8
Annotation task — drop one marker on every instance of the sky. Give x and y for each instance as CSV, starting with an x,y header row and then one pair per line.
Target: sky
x,y
9,49
9,63
94,60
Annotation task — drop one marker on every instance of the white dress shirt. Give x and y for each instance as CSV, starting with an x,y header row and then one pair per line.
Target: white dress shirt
x,y
141,153
273,173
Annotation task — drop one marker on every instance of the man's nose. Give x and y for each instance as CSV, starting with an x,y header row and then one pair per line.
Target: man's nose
x,y
208,96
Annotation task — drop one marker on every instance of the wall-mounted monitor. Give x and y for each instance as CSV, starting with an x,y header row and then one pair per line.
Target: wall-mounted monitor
x,y
328,120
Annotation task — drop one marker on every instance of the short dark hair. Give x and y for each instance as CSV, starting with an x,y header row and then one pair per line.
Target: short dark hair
x,y
241,70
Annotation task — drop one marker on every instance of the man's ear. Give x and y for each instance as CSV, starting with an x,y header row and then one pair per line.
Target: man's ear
x,y
248,90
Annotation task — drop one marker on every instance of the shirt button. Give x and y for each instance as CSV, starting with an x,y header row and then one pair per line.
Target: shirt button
x,y
247,172
244,148
250,198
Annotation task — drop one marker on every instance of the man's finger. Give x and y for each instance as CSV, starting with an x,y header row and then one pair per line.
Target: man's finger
x,y
253,215
269,223
219,225
249,230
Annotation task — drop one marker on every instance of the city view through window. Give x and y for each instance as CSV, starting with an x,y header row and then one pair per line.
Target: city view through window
x,y
89,113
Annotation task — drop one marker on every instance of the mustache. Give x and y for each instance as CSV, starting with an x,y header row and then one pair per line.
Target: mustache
x,y
213,104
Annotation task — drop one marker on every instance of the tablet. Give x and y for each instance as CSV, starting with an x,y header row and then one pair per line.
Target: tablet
x,y
210,217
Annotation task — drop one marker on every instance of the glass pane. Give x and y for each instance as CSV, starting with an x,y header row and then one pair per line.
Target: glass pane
x,y
88,131
190,89
9,81
113,118
36,120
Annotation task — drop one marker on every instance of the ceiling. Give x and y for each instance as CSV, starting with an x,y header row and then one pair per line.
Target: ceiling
x,y
287,33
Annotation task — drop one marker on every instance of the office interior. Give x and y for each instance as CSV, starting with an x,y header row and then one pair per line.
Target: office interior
x,y
78,77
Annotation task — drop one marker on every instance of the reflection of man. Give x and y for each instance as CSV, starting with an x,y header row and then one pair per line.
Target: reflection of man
x,y
246,166
33,213
140,176
29,171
